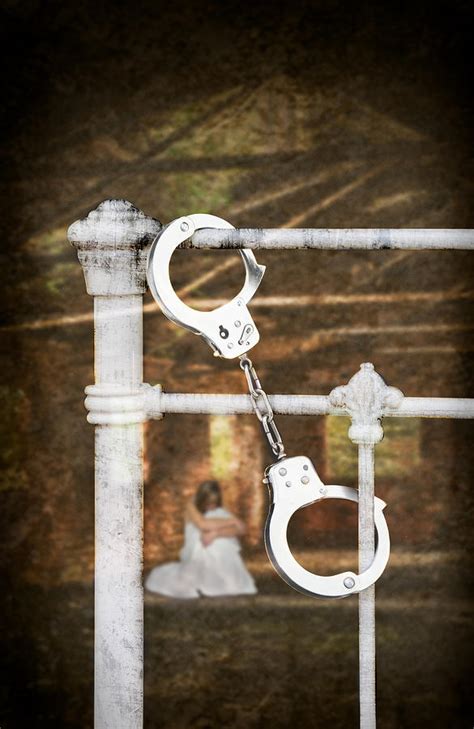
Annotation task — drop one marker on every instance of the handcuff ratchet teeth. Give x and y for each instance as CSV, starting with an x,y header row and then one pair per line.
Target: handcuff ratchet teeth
x,y
229,329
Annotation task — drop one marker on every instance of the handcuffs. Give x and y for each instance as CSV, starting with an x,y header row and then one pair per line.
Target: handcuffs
x,y
293,481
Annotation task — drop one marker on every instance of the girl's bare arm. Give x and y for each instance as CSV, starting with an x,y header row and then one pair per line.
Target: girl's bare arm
x,y
230,530
223,530
194,515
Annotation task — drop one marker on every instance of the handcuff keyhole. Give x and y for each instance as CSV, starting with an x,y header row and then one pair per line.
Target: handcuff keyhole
x,y
223,332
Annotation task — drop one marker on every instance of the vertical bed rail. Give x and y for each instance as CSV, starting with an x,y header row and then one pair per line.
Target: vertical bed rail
x,y
365,398
111,244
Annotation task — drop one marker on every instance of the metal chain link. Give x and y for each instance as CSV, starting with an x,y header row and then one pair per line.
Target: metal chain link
x,y
262,407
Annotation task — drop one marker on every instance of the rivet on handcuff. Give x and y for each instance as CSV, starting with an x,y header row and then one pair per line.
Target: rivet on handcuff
x,y
293,482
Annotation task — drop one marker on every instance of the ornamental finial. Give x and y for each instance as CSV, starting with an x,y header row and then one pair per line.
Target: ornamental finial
x,y
365,397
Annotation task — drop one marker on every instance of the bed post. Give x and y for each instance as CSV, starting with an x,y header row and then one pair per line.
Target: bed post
x,y
111,245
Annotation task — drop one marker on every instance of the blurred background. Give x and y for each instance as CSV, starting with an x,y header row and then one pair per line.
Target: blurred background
x,y
320,114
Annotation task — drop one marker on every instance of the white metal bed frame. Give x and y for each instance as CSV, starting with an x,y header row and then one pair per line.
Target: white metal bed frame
x,y
112,243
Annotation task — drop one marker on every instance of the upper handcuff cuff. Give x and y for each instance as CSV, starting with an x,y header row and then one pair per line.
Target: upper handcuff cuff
x,y
293,481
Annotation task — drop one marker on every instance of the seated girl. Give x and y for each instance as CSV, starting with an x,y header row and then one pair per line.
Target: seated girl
x,y
210,562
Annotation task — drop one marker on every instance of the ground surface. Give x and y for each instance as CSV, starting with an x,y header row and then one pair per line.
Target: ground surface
x,y
278,659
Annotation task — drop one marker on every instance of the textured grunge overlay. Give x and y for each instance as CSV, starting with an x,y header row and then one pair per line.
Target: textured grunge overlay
x,y
315,114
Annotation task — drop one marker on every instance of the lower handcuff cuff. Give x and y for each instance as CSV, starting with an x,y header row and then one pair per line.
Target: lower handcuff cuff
x,y
293,481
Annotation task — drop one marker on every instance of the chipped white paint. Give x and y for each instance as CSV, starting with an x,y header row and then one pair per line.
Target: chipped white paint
x,y
340,239
115,403
367,644
157,403
111,245
366,398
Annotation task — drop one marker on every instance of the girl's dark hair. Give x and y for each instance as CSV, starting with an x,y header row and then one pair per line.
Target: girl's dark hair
x,y
208,492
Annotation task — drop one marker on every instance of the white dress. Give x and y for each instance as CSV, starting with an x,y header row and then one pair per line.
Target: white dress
x,y
214,570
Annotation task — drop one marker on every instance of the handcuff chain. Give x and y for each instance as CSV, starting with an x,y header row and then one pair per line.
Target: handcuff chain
x,y
263,409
